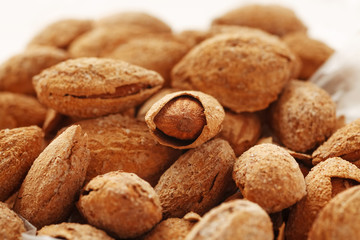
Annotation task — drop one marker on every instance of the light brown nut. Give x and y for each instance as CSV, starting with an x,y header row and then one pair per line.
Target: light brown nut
x,y
17,110
159,53
101,41
192,37
304,116
344,143
135,19
172,228
244,71
241,130
17,72
118,142
274,19
153,99
198,180
340,218
269,176
61,33
52,120
312,53
91,87
19,147
73,231
120,203
322,183
234,220
11,226
185,119
48,192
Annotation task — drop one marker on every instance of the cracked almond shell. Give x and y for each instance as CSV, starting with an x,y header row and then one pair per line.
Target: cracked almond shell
x,y
17,72
269,176
322,183
120,203
274,19
244,71
92,87
19,147
212,110
198,180
117,142
48,192
61,33
18,110
73,231
344,143
340,218
11,225
304,116
234,220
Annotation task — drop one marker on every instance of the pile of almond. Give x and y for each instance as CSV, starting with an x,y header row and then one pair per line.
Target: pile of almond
x,y
119,128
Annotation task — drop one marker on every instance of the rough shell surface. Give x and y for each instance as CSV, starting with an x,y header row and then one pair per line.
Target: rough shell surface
x,y
11,226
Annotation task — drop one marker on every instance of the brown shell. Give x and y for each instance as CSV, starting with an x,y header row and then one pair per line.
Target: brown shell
x,y
237,219
312,53
269,176
101,41
158,53
11,226
321,186
91,87
17,110
17,72
304,116
19,147
135,19
344,143
198,180
245,71
120,203
274,19
214,116
61,33
339,219
118,142
241,130
73,231
192,37
49,190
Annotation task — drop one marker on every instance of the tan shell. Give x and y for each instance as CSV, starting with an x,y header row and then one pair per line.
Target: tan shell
x,y
320,187
91,87
73,231
52,120
241,130
269,176
244,71
19,147
234,220
17,72
120,203
49,190
214,115
61,33
17,110
118,142
192,37
274,19
312,53
159,53
198,180
304,116
101,41
135,19
172,228
344,143
339,219
11,226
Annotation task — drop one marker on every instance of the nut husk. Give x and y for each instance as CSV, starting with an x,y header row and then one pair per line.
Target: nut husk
x,y
11,225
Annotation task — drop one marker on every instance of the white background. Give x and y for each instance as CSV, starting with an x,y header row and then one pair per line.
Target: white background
x,y
333,21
